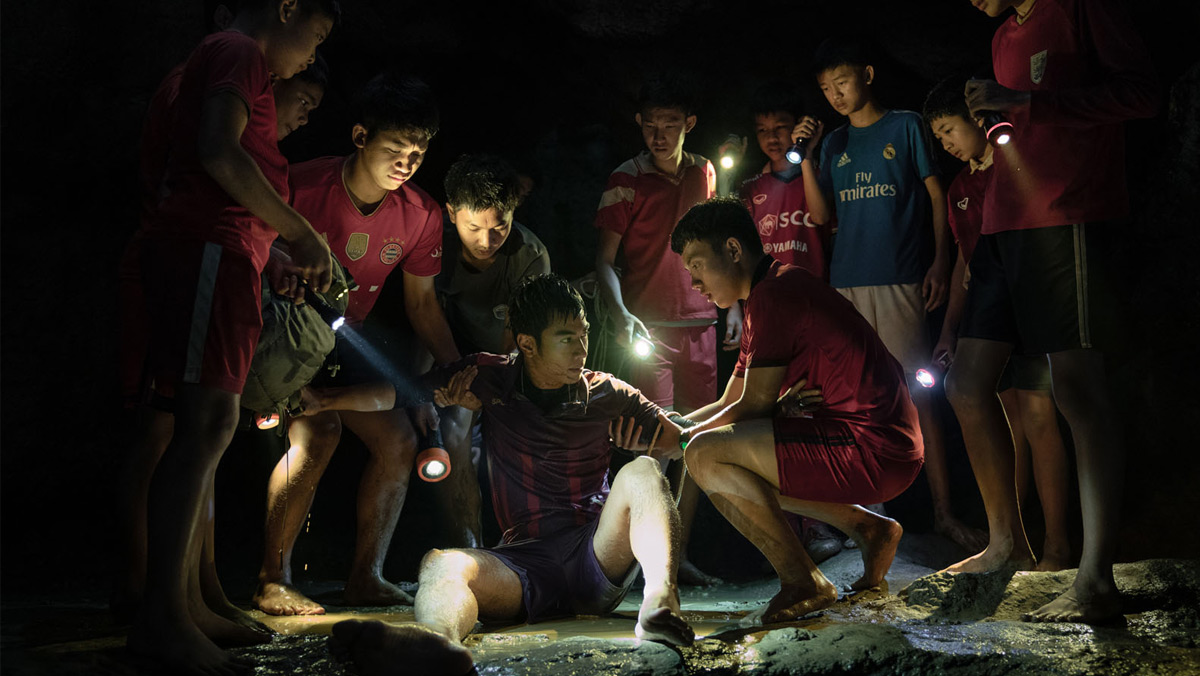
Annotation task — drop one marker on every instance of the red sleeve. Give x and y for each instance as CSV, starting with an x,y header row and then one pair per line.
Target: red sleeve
x,y
637,406
237,65
1125,86
425,259
616,204
775,329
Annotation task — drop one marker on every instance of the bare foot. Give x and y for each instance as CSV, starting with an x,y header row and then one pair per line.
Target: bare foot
x,y
692,576
380,649
228,633
660,620
374,591
878,540
971,539
1081,603
182,649
274,598
1052,564
238,616
794,601
999,555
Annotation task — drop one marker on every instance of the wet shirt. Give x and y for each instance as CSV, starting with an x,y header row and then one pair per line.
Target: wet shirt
x,y
876,175
404,231
643,205
192,204
780,210
795,320
548,463
1087,71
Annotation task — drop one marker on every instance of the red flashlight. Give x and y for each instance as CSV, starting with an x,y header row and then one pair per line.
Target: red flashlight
x,y
433,462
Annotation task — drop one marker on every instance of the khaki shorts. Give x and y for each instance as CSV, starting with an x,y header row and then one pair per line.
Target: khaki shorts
x,y
897,312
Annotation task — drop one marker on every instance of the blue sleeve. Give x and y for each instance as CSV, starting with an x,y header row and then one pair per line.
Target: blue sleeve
x,y
825,176
918,140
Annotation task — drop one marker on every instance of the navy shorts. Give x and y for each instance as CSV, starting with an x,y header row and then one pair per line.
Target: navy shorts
x,y
560,575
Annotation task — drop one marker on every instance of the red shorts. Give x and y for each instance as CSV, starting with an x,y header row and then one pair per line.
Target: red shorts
x,y
682,371
134,334
204,306
826,460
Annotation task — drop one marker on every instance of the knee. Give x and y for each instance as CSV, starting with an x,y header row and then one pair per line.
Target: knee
x,y
968,390
440,564
642,474
396,444
326,431
701,458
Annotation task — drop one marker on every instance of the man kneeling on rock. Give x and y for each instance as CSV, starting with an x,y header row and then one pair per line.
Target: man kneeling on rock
x,y
571,545
855,441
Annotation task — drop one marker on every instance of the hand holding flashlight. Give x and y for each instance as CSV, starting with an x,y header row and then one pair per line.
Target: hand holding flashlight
x,y
732,150
310,253
805,136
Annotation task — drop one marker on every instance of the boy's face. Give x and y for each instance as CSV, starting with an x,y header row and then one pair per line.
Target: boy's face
x,y
390,157
993,8
960,137
774,132
663,130
294,100
561,353
482,232
846,87
713,273
294,44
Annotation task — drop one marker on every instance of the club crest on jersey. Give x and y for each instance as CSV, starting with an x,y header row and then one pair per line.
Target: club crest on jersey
x,y
356,246
843,160
767,225
390,253
1037,66
889,152
436,253
760,198
962,203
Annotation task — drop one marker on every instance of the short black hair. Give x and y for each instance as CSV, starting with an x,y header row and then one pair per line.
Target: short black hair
x,y
674,90
482,182
329,8
842,51
392,102
946,99
777,96
316,73
715,221
540,300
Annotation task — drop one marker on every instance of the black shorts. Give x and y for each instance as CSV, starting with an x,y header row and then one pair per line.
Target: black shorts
x,y
1029,372
1043,290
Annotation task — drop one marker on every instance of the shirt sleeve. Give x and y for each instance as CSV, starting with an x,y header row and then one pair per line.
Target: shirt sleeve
x,y
637,406
616,203
825,175
775,330
425,259
918,140
238,66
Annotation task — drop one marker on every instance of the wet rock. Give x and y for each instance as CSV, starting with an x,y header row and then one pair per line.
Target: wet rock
x,y
579,657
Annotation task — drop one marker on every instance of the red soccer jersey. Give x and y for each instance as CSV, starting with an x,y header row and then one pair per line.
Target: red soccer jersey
x,y
1087,71
405,229
780,210
193,205
643,205
795,320
965,207
155,146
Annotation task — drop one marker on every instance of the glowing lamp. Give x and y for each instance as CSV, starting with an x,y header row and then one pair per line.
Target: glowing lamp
x,y
433,462
925,378
727,161
265,421
999,130
795,154
642,347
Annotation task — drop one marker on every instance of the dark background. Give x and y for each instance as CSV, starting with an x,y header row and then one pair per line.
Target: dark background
x,y
549,83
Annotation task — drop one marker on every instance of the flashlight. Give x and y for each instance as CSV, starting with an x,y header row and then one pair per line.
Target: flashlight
x,y
925,378
795,154
642,347
999,130
324,309
433,462
265,421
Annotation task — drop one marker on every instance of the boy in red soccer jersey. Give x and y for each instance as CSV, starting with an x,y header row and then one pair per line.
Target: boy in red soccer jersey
x,y
376,221
1068,73
223,204
644,199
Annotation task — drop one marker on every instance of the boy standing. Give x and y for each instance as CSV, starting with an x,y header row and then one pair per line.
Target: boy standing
x,y
1068,73
223,204
374,221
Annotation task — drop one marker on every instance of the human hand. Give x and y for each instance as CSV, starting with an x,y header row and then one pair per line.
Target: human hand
x,y
313,260
458,392
312,402
626,434
991,95
943,352
665,442
283,276
627,326
799,400
811,129
424,418
936,287
734,146
733,329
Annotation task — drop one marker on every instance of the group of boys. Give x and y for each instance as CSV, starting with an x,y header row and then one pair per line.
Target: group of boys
x,y
817,418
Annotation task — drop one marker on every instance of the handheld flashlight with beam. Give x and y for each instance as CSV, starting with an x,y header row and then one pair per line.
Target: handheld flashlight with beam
x,y
998,129
433,462
323,308
795,154
929,377
642,346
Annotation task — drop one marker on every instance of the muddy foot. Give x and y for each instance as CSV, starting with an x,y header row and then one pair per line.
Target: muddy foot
x,y
793,602
380,649
995,557
274,598
692,576
374,591
1089,607
182,650
659,620
878,541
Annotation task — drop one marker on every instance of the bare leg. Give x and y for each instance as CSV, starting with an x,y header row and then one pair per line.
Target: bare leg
x,y
1016,422
1081,390
290,491
937,472
392,447
165,631
219,619
736,466
639,521
971,387
1049,474
687,499
151,433
458,494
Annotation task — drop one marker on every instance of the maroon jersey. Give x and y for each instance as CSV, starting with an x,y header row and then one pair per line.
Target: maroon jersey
x,y
548,469
965,206
404,231
643,205
780,210
193,205
795,320
1087,71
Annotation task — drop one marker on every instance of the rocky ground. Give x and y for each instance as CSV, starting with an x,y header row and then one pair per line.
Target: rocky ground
x,y
929,623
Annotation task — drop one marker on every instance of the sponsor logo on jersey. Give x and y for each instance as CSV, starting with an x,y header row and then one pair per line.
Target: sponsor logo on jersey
x,y
760,198
782,247
1037,66
390,253
843,160
356,246
767,224
962,203
889,152
436,253
864,189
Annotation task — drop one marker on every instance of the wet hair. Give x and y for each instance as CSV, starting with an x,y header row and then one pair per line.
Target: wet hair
x,y
317,72
775,97
397,103
946,99
540,300
482,182
715,221
671,91
841,51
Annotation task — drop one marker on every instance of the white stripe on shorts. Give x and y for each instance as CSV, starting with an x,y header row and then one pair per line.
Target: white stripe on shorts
x,y
206,285
1081,285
